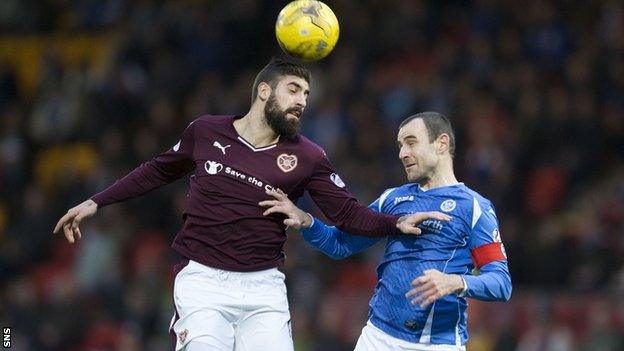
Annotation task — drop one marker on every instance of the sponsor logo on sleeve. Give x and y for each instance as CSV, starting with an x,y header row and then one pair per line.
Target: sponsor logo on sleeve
x,y
286,162
496,235
335,178
448,205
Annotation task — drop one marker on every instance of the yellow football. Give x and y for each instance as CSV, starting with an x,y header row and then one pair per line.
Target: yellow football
x,y
307,29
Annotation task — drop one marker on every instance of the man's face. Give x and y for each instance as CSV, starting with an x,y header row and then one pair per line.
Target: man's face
x,y
418,155
285,105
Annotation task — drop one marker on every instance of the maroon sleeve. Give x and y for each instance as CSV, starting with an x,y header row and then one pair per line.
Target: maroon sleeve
x,y
329,193
163,169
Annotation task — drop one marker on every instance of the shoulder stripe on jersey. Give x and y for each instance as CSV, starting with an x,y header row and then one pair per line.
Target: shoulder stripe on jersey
x,y
476,211
383,197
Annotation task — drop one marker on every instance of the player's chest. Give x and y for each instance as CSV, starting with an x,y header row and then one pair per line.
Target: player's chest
x,y
406,204
226,162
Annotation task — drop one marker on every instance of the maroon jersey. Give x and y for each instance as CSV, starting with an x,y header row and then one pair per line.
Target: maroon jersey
x,y
223,223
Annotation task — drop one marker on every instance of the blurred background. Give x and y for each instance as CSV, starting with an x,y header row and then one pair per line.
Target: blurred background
x,y
89,89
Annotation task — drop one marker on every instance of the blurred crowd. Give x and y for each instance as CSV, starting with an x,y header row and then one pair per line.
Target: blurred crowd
x,y
89,89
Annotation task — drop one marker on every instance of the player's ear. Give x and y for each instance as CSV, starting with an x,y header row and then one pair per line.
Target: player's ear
x,y
264,91
444,143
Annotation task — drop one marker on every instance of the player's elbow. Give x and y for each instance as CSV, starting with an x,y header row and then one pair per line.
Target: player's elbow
x,y
506,296
499,287
506,288
338,255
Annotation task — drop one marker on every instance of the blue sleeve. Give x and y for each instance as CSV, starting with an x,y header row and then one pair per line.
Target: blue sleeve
x,y
494,281
335,243
492,284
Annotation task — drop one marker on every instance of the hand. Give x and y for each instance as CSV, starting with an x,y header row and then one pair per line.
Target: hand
x,y
408,224
70,221
433,285
296,217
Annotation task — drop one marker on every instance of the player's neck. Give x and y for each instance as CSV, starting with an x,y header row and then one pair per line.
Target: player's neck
x,y
254,129
443,176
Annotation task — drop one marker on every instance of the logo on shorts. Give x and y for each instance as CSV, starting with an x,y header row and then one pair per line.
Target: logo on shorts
x,y
182,336
213,167
336,179
286,162
448,205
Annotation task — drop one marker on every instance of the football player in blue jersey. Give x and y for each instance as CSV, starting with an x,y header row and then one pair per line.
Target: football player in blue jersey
x,y
420,299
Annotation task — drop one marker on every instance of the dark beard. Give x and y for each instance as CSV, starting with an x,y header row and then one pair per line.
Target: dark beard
x,y
277,120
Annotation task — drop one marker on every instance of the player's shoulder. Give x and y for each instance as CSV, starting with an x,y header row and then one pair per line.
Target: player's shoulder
x,y
479,205
212,120
396,194
474,196
307,147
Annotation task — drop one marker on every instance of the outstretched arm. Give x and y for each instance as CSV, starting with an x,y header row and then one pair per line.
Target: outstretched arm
x,y
335,243
407,224
71,220
331,240
163,169
329,193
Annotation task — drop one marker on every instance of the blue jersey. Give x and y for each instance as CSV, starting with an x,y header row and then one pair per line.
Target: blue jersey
x,y
470,240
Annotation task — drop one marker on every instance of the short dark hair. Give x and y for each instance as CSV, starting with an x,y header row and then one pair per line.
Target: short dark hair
x,y
276,69
436,124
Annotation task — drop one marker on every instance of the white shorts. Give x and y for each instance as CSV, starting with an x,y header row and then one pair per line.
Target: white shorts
x,y
231,311
374,339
